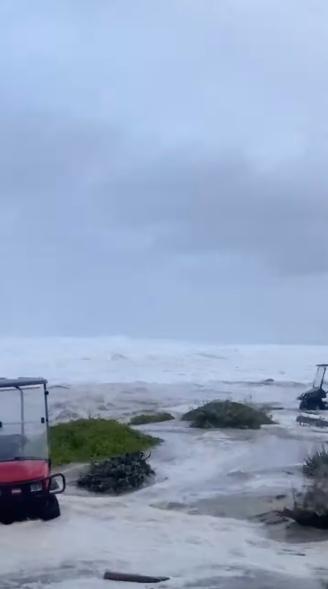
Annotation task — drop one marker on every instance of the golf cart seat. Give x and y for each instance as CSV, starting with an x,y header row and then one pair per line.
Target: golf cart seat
x,y
11,446
312,400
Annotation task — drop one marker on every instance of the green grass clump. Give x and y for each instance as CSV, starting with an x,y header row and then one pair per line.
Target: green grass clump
x,y
316,465
85,440
145,418
227,414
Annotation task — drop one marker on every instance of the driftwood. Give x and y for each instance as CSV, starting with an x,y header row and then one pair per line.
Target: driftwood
x,y
307,518
311,506
114,576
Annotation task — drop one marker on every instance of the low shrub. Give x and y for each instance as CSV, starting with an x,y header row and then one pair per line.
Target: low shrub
x,y
145,418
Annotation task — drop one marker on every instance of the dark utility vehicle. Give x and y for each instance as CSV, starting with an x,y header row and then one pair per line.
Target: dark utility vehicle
x,y
312,400
27,487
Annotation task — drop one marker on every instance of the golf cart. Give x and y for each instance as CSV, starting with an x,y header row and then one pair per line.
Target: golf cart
x,y
312,400
27,488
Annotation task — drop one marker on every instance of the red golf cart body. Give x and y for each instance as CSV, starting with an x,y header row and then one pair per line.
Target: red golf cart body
x,y
27,488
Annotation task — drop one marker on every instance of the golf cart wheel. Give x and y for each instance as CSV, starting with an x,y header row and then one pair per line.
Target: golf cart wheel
x,y
7,520
50,509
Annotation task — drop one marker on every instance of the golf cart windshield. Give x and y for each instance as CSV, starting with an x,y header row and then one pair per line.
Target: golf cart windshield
x,y
321,377
23,425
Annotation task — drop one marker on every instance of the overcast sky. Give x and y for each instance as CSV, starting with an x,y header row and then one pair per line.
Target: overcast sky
x,y
163,169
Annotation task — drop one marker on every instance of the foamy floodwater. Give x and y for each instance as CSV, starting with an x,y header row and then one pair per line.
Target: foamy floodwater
x,y
198,523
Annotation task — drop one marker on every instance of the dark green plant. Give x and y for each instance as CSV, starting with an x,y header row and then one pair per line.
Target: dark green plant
x,y
227,414
145,418
117,475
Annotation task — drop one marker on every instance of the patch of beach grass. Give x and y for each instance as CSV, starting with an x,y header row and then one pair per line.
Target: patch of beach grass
x,y
86,440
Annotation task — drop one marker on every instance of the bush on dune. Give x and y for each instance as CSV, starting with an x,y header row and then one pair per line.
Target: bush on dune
x,y
227,414
86,440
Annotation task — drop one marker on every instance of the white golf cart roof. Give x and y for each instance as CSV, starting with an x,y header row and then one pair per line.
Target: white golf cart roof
x,y
17,383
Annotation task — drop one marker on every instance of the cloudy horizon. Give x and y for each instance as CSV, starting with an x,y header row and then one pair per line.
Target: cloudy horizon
x,y
162,169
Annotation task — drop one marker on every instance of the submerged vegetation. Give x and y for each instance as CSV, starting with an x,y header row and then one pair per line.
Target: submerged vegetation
x,y
86,440
310,506
227,414
117,475
145,418
316,465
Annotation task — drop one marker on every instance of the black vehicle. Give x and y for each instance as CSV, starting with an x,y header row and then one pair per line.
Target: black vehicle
x,y
27,487
312,400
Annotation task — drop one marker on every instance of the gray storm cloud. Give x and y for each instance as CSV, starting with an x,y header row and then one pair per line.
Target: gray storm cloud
x,y
163,169
228,206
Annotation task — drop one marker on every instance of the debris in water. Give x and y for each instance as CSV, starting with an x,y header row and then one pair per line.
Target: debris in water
x,y
315,421
114,576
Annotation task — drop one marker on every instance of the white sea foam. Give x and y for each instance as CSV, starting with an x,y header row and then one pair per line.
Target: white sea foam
x,y
126,360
